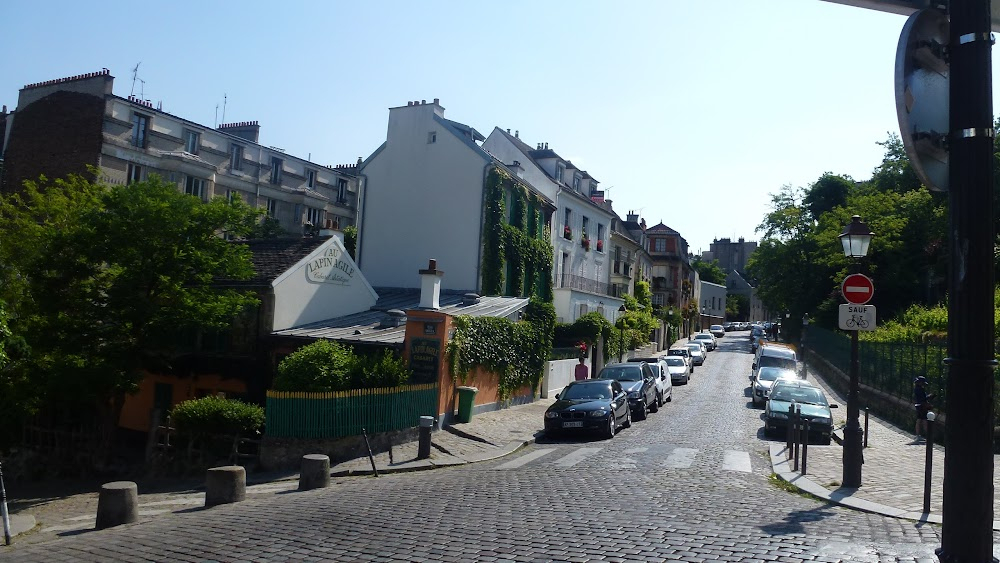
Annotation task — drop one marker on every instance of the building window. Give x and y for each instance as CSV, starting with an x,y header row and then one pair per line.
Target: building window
x,y
191,141
194,186
230,194
576,181
432,137
560,170
341,190
586,223
657,299
272,207
276,165
236,157
314,215
140,130
600,232
134,173
660,245
310,179
593,187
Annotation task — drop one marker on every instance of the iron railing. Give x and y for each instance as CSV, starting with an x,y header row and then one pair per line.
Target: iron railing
x,y
573,281
293,414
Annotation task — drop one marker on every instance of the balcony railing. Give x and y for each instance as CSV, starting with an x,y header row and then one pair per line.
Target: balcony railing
x,y
572,281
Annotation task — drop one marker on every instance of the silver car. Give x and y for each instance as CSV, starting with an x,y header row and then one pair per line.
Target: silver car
x,y
678,369
697,353
763,380
663,381
707,338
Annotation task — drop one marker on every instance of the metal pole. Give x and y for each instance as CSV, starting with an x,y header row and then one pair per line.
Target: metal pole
x,y
796,437
866,427
621,342
788,437
967,515
853,432
3,508
805,444
928,465
371,458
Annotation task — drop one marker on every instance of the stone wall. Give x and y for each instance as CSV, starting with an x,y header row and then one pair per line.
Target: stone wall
x,y
286,453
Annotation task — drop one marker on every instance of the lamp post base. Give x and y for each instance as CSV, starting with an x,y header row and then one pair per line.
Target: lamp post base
x,y
853,455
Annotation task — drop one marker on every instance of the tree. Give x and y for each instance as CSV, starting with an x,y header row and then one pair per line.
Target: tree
x,y
827,193
737,306
709,271
99,280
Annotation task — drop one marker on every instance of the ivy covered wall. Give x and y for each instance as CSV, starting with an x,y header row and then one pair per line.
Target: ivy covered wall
x,y
517,254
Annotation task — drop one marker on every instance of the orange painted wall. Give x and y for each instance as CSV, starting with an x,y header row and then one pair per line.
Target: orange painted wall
x,y
138,407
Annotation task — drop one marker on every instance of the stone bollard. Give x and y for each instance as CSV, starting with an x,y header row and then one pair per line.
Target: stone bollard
x,y
225,484
117,504
315,472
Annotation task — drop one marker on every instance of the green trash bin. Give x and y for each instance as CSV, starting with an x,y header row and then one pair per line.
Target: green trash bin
x,y
466,399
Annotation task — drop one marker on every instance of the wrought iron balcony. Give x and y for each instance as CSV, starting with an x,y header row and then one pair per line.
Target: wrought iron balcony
x,y
571,281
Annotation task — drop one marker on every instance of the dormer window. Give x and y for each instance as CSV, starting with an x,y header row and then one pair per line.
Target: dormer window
x,y
576,181
560,170
593,187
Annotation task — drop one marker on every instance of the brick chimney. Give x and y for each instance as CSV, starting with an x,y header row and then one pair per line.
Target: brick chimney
x,y
249,130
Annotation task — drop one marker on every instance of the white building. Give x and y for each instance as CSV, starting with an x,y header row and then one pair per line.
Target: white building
x,y
713,304
581,229
424,196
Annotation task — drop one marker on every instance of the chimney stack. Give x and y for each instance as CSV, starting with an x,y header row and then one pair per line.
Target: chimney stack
x,y
430,286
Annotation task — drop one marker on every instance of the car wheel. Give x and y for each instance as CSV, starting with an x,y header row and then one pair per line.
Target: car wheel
x,y
641,413
628,419
825,441
655,405
609,432
659,399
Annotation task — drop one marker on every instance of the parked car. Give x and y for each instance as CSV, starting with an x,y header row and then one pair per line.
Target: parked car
x,y
678,368
637,380
664,384
770,354
708,339
589,404
717,331
805,398
697,350
762,380
729,326
683,353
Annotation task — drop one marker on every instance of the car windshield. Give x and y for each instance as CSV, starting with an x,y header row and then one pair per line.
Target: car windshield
x,y
703,336
774,362
587,391
622,373
804,395
675,352
675,361
716,327
696,348
772,374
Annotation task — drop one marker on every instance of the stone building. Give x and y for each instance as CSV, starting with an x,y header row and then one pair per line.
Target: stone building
x,y
731,255
62,126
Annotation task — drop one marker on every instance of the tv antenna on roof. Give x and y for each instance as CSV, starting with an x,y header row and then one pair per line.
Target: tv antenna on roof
x,y
135,76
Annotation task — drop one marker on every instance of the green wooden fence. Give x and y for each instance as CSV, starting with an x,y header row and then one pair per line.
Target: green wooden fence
x,y
333,415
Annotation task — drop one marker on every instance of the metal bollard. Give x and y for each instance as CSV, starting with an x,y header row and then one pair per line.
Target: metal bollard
x,y
371,457
788,437
3,509
424,446
805,444
928,462
866,427
796,438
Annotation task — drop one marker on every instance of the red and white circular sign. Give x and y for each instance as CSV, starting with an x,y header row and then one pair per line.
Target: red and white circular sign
x,y
857,289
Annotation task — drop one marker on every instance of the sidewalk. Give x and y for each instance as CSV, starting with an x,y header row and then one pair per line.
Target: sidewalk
x,y
892,478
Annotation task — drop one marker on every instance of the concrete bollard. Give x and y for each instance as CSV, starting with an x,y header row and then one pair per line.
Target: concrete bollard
x,y
117,504
224,485
424,446
314,472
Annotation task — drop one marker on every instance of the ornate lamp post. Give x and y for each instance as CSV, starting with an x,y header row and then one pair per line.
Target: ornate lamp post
x,y
670,330
621,350
855,238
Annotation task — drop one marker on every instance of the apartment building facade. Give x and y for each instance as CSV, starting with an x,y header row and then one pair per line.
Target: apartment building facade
x,y
62,126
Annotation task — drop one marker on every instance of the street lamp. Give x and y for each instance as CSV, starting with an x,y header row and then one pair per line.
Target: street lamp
x,y
670,324
701,320
855,238
621,349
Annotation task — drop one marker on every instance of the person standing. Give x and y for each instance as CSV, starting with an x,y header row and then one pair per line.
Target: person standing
x,y
582,372
922,404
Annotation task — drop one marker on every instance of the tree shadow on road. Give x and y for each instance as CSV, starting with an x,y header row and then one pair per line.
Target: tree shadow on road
x,y
792,524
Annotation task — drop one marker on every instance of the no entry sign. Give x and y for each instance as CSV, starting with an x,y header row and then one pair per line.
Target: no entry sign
x,y
857,289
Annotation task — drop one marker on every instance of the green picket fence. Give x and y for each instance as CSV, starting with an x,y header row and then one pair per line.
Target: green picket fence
x,y
293,414
887,366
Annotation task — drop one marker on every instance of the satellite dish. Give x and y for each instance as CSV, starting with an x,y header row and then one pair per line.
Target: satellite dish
x,y
922,77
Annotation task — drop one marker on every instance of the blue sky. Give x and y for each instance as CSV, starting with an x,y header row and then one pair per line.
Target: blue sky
x,y
691,113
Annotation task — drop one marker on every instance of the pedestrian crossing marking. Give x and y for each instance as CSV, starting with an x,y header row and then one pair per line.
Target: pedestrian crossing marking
x,y
636,450
576,457
680,458
733,460
526,458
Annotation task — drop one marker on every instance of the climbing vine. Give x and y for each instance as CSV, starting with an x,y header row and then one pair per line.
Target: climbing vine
x,y
515,352
518,245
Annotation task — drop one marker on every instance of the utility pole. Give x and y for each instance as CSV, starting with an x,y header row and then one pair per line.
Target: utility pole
x,y
967,534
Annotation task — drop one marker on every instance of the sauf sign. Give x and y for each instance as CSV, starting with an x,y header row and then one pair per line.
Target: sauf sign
x,y
330,268
857,317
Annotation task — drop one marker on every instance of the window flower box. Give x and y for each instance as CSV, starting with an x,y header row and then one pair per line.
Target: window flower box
x,y
600,246
567,233
585,243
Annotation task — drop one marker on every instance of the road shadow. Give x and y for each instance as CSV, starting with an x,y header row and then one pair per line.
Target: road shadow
x,y
792,523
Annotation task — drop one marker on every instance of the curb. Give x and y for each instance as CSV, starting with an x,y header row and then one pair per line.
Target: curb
x,y
426,464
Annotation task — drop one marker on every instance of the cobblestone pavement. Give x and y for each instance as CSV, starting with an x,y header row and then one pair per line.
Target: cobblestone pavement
x,y
691,483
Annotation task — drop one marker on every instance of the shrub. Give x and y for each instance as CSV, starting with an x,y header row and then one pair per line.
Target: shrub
x,y
214,415
318,367
384,369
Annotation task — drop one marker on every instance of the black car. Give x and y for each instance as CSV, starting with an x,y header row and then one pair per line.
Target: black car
x,y
805,398
638,381
589,404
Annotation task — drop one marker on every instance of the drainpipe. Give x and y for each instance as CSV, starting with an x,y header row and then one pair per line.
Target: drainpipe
x,y
359,215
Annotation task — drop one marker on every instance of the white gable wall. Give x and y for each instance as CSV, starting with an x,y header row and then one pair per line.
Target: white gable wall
x,y
324,285
422,200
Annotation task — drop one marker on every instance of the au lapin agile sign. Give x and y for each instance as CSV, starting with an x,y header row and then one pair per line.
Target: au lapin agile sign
x,y
330,268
